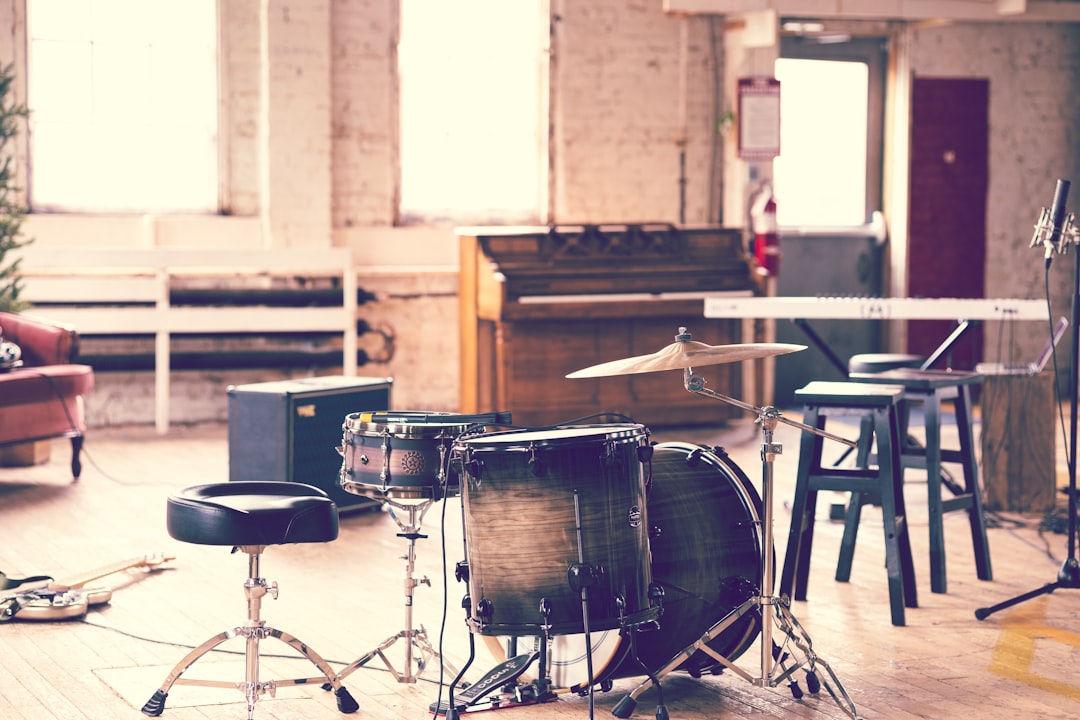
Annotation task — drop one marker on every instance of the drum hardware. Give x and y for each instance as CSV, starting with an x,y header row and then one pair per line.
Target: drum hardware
x,y
540,473
705,555
778,662
606,534
415,638
581,577
402,455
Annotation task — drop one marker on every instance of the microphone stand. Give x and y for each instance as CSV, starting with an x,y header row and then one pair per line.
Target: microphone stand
x,y
1061,235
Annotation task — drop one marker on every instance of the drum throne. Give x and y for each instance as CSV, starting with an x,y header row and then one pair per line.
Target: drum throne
x,y
250,516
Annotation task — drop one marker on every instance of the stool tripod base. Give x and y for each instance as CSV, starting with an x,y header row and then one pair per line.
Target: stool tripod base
x,y
251,688
253,631
794,653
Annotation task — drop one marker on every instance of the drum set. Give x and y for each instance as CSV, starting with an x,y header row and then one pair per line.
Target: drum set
x,y
649,557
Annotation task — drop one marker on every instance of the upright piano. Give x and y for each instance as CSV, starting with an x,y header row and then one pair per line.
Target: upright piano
x,y
539,302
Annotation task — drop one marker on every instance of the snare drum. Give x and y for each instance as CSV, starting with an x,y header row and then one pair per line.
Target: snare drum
x,y
547,513
400,455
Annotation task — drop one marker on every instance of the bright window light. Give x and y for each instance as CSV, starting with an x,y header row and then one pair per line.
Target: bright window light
x,y
470,110
820,175
123,105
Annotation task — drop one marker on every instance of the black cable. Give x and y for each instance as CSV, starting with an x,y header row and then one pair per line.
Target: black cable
x,y
1053,354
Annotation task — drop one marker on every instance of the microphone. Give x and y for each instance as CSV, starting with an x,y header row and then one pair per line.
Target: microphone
x,y
1053,221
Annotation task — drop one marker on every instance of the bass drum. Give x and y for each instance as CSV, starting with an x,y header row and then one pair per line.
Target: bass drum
x,y
704,517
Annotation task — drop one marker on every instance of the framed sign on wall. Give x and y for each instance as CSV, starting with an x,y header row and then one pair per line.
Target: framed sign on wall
x,y
759,118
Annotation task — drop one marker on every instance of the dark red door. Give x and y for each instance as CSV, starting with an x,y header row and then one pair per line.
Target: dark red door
x,y
949,180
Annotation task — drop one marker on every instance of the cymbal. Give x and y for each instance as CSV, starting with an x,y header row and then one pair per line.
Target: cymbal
x,y
686,354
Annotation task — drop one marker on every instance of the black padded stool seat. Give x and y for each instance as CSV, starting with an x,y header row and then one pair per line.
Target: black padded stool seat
x,y
252,513
251,516
880,362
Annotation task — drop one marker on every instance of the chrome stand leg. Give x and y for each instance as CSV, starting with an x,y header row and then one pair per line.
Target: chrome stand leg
x,y
415,639
778,662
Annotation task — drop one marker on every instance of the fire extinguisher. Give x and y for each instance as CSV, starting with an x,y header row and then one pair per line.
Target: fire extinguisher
x,y
766,231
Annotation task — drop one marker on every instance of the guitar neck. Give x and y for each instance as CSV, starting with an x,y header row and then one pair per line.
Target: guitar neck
x,y
82,580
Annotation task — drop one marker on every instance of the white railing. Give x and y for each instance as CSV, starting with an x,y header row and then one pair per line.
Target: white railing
x,y
126,292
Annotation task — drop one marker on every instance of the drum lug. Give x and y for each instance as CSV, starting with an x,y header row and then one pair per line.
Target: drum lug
x,y
535,466
485,610
656,595
580,575
545,612
384,476
645,453
472,468
694,458
461,571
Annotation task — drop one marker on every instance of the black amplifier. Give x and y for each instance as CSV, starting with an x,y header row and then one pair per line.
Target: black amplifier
x,y
290,430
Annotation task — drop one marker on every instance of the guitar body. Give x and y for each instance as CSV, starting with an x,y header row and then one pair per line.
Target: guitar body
x,y
47,605
71,599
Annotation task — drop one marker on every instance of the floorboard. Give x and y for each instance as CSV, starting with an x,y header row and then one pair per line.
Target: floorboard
x,y
344,598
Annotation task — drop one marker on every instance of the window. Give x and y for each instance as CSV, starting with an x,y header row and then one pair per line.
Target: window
x,y
123,102
828,173
471,103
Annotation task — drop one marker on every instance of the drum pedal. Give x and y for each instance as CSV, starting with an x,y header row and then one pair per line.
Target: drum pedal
x,y
503,673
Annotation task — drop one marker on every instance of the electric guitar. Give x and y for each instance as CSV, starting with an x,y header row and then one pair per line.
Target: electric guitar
x,y
71,599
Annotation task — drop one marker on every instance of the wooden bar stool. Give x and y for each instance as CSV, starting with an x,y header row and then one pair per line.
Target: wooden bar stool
x,y
881,480
930,389
250,516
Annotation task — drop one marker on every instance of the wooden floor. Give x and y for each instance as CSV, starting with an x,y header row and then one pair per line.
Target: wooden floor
x,y
346,597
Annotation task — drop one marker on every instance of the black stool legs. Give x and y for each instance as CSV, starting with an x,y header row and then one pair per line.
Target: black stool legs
x,y
879,403
932,388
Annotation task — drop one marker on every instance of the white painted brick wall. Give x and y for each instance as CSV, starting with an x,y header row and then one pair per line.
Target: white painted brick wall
x,y
333,163
364,101
617,118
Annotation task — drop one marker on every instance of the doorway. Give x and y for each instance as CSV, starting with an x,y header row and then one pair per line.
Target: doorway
x,y
828,186
947,212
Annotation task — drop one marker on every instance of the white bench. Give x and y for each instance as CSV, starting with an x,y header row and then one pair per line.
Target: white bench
x,y
126,292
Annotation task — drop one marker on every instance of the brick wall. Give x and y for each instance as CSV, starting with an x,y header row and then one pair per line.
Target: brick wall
x,y
310,139
1034,73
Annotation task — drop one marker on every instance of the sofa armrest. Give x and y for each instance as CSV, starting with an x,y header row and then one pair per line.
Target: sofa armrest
x,y
42,342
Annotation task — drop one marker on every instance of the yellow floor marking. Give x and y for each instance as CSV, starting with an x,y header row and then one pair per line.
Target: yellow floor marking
x,y
1015,651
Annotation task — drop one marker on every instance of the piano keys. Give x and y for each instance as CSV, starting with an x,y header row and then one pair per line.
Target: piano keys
x,y
856,308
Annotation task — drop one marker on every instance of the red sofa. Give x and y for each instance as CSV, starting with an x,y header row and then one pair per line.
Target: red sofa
x,y
43,398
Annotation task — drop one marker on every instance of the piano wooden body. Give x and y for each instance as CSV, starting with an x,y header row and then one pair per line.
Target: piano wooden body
x,y
537,303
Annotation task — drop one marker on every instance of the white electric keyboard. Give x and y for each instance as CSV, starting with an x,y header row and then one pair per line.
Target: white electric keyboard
x,y
866,308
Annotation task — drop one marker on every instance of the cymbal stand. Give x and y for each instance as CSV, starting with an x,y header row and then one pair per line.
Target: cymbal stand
x,y
415,638
778,662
